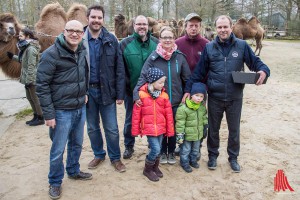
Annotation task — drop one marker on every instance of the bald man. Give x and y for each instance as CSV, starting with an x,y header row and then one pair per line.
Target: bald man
x,y
62,84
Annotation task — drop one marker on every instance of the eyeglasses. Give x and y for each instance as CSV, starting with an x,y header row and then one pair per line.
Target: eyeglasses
x,y
167,38
71,31
141,24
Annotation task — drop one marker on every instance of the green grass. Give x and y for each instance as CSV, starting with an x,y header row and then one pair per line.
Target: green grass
x,y
24,113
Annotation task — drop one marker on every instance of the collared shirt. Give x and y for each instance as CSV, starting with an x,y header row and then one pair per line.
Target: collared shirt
x,y
95,50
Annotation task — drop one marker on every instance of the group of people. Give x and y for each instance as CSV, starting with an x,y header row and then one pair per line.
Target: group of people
x,y
165,85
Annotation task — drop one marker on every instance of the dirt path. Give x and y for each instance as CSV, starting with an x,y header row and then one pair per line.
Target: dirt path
x,y
270,140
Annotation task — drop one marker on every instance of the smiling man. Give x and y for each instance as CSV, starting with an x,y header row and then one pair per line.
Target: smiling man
x,y
62,79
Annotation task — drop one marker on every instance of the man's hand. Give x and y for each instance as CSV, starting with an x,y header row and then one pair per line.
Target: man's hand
x,y
51,123
261,78
119,102
186,95
86,99
138,103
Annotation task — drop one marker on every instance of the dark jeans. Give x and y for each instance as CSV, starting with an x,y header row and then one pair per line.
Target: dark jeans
x,y
232,109
169,143
128,139
33,100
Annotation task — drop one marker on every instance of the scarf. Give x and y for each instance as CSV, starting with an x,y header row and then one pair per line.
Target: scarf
x,y
153,93
192,105
163,53
22,45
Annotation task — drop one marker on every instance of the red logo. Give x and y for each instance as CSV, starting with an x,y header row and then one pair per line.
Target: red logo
x,y
281,182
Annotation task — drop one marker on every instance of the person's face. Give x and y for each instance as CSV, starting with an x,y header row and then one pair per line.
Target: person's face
x,y
193,28
197,98
95,20
141,26
22,36
223,28
159,84
167,39
73,34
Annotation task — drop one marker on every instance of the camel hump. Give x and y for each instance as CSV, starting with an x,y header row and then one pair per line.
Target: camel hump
x,y
253,19
78,12
242,21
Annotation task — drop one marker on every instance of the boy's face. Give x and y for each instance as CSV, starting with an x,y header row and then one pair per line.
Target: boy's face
x,y
159,84
197,98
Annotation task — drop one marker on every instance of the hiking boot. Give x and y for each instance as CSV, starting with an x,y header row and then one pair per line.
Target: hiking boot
x,y
33,119
54,192
128,152
95,163
195,165
212,164
82,176
171,159
163,159
187,168
119,166
235,166
38,121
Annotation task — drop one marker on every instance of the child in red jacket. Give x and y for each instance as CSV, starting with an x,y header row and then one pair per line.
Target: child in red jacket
x,y
154,118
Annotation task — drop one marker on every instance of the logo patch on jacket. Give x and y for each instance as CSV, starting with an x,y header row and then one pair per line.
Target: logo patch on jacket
x,y
235,54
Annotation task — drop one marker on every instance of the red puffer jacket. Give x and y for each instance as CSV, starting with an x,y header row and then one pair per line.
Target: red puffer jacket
x,y
154,117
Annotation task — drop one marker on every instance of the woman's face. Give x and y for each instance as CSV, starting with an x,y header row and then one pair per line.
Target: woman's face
x,y
22,36
167,39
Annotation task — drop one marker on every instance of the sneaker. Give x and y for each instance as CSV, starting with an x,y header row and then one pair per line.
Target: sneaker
x,y
195,165
171,158
95,163
163,159
54,192
235,166
187,168
177,151
212,164
82,176
119,166
128,152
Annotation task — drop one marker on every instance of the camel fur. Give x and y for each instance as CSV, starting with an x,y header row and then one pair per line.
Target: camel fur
x,y
78,12
249,30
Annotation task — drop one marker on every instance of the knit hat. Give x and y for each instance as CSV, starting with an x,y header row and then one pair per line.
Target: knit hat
x,y
198,88
154,74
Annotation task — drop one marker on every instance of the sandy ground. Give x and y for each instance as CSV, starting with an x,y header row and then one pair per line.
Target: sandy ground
x,y
270,141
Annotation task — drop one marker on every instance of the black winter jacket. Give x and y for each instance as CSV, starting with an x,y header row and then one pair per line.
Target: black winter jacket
x,y
62,79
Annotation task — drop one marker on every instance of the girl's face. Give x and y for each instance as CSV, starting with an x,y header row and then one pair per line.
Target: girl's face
x,y
22,36
197,98
159,84
167,39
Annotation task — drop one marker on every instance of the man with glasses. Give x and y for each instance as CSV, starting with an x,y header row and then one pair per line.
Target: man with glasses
x,y
62,84
106,88
135,49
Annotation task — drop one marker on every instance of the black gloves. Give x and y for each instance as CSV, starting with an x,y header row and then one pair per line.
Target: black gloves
x,y
205,129
10,55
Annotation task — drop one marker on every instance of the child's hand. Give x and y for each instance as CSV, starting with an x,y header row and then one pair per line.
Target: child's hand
x,y
179,138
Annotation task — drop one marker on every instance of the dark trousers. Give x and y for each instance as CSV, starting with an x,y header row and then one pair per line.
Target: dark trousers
x,y
232,110
33,100
169,143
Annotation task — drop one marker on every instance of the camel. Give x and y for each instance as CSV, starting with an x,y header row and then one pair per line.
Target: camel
x,y
209,34
249,30
78,12
9,31
123,28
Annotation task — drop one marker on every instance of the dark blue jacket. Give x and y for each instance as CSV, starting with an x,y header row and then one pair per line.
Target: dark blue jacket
x,y
218,61
112,71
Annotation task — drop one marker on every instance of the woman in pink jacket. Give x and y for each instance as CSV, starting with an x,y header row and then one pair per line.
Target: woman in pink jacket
x,y
153,118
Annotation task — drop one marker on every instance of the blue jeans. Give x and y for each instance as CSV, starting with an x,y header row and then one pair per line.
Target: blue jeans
x,y
128,139
69,129
108,113
155,146
233,110
189,151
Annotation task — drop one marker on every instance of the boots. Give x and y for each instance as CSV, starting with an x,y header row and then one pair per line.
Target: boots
x,y
33,119
148,171
156,169
38,121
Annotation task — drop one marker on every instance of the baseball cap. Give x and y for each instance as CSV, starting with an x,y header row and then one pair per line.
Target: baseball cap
x,y
192,15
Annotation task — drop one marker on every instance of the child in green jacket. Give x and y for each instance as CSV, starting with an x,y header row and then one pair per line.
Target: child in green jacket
x,y
191,118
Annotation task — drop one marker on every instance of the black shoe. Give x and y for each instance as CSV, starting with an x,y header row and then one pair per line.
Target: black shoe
x,y
195,165
54,192
33,119
82,176
38,121
128,153
212,164
235,166
187,168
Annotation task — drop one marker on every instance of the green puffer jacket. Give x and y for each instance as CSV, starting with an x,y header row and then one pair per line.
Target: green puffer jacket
x,y
29,62
191,122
